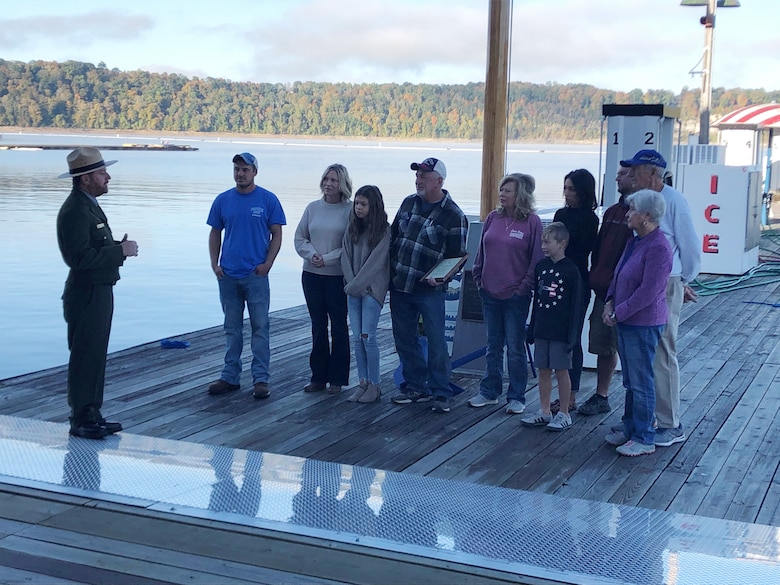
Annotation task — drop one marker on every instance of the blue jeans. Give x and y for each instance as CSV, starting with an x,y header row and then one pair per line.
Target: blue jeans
x,y
326,301
431,376
234,293
505,323
636,346
364,317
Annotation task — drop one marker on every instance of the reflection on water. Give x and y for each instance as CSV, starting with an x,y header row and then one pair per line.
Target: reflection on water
x,y
161,199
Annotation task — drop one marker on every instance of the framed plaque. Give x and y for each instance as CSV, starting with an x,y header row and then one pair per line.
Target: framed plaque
x,y
446,268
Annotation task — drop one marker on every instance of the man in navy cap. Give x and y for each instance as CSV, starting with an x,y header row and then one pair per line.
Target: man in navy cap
x,y
647,172
252,219
94,257
428,227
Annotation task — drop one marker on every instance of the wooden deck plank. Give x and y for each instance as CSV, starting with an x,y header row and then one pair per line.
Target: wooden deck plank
x,y
469,446
314,560
186,567
22,554
587,443
28,510
8,527
769,513
13,576
69,547
93,566
753,487
716,432
761,462
663,490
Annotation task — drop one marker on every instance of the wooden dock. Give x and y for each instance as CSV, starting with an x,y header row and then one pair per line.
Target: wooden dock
x,y
728,468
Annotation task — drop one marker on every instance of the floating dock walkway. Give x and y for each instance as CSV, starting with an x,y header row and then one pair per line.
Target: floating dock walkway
x,y
310,488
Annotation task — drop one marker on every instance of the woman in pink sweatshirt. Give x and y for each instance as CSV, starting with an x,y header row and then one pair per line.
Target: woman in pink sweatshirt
x,y
503,271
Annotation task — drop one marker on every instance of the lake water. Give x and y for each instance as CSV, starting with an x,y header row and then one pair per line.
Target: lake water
x,y
161,199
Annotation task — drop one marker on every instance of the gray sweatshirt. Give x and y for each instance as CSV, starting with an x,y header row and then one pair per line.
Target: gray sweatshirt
x,y
366,270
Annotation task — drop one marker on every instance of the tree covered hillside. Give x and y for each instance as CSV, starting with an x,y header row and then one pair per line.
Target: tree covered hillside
x,y
81,95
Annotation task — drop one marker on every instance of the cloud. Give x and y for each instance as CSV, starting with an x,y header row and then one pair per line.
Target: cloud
x,y
748,73
85,29
612,44
446,42
572,43
369,39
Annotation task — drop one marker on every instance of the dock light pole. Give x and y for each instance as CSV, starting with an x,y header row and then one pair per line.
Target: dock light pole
x,y
708,20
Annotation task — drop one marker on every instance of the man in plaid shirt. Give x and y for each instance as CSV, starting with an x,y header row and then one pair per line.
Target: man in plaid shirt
x,y
428,227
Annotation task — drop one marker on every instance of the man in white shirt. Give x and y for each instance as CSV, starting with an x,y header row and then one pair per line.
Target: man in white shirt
x,y
647,172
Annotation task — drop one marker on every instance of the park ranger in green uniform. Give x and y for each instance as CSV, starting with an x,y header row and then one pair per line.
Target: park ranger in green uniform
x,y
94,258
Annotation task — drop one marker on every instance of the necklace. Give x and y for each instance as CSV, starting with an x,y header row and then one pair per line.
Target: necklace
x,y
508,223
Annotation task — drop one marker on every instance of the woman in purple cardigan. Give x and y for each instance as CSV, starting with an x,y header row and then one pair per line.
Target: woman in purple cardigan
x,y
636,304
503,271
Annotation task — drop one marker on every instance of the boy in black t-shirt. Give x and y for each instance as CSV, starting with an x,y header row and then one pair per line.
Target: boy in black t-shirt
x,y
554,325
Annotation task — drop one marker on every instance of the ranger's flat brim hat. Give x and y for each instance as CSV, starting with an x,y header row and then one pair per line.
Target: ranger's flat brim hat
x,y
84,160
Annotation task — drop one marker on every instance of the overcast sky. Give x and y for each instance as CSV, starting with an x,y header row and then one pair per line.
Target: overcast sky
x,y
612,44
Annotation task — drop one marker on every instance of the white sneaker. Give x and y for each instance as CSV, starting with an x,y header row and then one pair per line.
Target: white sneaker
x,y
479,401
515,407
560,422
634,449
536,419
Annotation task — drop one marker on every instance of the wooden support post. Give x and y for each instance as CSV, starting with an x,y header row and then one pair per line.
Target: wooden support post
x,y
496,86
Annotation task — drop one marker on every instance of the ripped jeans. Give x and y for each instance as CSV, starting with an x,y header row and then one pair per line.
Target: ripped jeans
x,y
363,318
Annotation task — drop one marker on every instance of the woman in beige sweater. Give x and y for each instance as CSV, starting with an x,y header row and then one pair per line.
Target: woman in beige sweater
x,y
318,241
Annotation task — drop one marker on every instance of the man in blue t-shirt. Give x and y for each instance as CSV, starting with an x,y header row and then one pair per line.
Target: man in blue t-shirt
x,y
252,218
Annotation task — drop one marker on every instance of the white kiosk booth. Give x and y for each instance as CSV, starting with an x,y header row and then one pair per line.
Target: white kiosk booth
x,y
631,128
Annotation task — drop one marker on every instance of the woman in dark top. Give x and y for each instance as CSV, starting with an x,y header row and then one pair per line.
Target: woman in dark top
x,y
579,217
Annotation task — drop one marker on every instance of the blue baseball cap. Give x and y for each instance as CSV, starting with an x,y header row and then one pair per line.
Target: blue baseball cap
x,y
645,157
247,158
